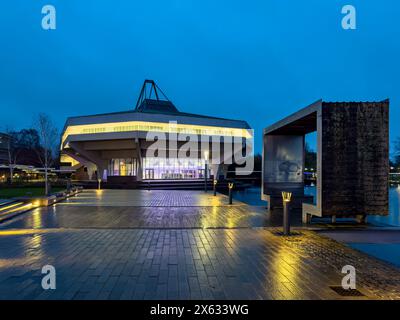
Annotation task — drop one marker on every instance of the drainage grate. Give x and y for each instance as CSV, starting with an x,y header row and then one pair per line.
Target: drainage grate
x,y
346,293
292,234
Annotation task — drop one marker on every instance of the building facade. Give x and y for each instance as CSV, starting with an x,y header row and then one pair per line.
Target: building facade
x,y
151,142
352,159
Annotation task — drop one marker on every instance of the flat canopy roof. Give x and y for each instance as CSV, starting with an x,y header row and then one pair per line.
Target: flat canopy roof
x,y
301,122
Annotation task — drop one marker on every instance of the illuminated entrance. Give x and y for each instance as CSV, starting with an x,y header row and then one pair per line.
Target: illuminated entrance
x,y
166,168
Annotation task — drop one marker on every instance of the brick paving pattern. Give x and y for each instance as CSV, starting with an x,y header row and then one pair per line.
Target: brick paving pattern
x,y
181,263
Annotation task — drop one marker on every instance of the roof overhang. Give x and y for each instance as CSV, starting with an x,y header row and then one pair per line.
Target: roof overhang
x,y
301,122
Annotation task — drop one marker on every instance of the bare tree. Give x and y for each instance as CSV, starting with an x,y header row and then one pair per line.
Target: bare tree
x,y
12,152
48,135
397,152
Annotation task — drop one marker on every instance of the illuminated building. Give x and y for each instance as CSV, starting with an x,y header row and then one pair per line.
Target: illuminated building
x,y
116,146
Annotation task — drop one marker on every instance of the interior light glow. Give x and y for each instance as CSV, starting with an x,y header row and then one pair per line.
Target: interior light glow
x,y
155,127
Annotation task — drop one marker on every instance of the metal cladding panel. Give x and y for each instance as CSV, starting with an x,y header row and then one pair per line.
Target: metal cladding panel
x,y
155,117
355,158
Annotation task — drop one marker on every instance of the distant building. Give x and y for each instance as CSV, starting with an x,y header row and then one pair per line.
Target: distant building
x,y
113,146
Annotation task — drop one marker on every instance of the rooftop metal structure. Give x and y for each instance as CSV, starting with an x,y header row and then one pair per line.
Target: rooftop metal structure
x,y
152,98
153,105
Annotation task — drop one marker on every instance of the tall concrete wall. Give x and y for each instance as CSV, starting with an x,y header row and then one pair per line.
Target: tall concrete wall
x,y
355,158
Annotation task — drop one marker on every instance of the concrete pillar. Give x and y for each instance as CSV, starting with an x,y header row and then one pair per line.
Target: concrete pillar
x,y
215,170
224,170
102,170
94,157
139,174
91,171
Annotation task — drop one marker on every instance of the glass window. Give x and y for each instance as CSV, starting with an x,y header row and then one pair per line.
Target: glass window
x,y
172,168
122,167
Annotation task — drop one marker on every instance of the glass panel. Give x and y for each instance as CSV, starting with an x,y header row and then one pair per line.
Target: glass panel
x,y
173,168
122,167
116,167
128,163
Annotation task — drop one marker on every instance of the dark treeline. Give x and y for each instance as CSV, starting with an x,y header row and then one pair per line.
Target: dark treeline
x,y
24,146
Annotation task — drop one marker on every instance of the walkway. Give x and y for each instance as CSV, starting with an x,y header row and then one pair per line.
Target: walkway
x,y
96,258
148,209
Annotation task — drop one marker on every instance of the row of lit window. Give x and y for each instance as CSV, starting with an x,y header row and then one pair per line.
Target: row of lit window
x,y
156,127
184,163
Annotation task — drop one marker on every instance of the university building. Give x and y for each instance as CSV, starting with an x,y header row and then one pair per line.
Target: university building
x,y
116,146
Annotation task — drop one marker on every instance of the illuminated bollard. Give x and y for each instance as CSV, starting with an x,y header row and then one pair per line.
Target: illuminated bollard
x,y
99,184
230,186
286,196
215,187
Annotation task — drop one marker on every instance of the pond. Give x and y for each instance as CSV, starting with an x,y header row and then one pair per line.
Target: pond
x,y
252,196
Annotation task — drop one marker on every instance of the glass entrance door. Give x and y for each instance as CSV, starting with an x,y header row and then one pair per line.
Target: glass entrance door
x,y
149,174
122,168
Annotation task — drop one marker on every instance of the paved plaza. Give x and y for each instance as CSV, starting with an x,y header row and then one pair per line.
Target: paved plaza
x,y
119,244
148,209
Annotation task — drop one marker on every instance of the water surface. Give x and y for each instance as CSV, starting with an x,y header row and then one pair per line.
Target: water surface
x,y
252,196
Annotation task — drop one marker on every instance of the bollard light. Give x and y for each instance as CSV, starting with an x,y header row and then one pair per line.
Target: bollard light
x,y
99,184
286,197
230,187
215,187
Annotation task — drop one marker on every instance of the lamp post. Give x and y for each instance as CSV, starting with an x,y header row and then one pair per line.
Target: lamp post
x,y
230,187
205,169
286,197
99,184
215,187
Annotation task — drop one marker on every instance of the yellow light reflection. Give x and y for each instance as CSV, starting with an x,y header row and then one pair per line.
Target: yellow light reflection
x,y
24,207
210,219
24,232
230,238
36,220
287,276
10,206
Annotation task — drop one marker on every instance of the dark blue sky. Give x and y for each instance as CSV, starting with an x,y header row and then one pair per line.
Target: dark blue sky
x,y
252,60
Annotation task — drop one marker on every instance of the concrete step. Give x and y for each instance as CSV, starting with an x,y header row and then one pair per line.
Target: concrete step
x,y
9,205
6,201
11,210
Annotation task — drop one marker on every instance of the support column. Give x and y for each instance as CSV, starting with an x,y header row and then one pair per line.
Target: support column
x,y
224,169
102,171
215,170
91,170
94,157
139,173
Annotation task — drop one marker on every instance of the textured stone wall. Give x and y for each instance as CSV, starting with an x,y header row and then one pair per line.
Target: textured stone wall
x,y
355,158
